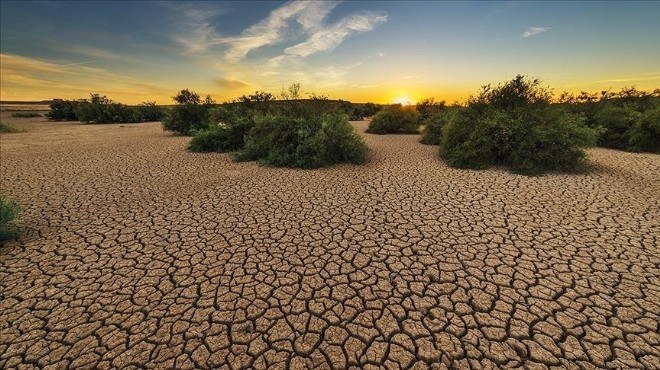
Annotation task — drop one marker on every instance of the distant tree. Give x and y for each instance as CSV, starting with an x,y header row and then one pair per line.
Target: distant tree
x,y
292,92
191,114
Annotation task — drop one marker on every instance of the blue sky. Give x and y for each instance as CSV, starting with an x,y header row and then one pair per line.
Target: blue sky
x,y
360,51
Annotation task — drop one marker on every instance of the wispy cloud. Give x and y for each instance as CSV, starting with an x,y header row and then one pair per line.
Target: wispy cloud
x,y
533,31
29,78
286,23
328,38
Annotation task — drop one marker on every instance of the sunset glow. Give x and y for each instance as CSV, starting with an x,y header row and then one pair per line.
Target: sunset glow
x,y
382,52
404,100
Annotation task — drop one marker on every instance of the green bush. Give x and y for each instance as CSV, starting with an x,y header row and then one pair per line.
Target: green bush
x,y
433,125
395,119
548,140
191,114
8,128
63,110
286,141
617,123
25,115
645,133
100,109
8,212
514,125
150,112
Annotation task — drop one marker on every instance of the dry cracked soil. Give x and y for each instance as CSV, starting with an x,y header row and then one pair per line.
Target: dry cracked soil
x,y
137,254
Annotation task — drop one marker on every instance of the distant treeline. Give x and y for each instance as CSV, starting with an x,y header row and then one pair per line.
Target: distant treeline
x,y
100,109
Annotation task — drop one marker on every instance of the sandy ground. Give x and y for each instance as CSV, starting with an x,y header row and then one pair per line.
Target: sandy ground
x,y
136,253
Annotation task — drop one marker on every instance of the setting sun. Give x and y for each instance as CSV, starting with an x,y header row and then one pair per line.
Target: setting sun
x,y
404,100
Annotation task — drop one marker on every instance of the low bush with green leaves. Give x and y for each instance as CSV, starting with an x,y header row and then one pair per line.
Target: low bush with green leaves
x,y
25,115
618,115
63,110
433,125
395,119
616,123
8,212
149,111
191,114
515,125
645,134
8,128
100,109
287,141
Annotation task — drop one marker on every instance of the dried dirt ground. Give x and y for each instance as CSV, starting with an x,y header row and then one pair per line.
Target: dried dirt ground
x,y
136,253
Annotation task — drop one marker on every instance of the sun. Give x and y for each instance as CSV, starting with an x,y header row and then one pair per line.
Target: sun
x,y
404,100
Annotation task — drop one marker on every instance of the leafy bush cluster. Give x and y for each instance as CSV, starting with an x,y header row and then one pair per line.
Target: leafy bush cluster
x,y
100,109
8,128
395,119
150,112
310,142
434,116
63,110
291,133
190,114
628,119
515,125
8,212
25,115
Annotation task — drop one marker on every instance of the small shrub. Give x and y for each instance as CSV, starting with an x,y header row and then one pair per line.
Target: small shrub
x,y
285,141
515,125
8,128
433,126
645,133
191,114
212,139
395,119
100,109
8,212
63,110
617,123
370,109
549,140
25,115
150,112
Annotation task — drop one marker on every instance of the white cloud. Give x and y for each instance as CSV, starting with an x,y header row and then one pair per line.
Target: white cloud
x,y
328,38
288,22
533,31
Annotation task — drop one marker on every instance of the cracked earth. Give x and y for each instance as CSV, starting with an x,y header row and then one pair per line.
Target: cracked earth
x,y
137,254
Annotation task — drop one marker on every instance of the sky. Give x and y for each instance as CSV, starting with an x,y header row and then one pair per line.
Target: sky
x,y
378,51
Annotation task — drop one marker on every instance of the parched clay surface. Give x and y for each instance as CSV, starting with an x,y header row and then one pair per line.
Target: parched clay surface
x,y
137,254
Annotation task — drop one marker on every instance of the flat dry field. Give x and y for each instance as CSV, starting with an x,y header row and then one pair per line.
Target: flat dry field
x,y
136,253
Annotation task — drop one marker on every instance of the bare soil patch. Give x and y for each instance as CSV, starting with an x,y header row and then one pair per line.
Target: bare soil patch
x,y
135,252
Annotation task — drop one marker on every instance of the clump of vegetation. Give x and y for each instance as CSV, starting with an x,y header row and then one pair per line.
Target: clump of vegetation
x,y
434,116
150,112
229,125
8,212
289,141
432,132
395,119
515,125
8,128
619,115
100,109
25,115
191,113
63,110
289,133
644,136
